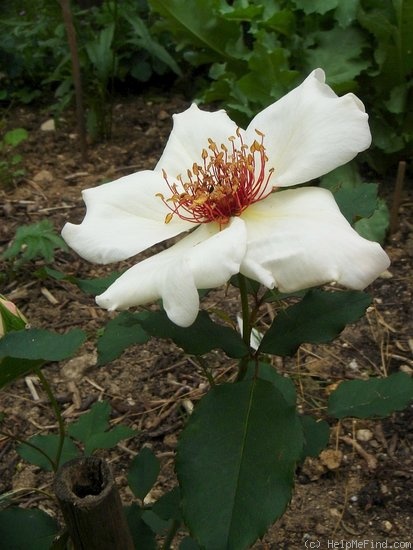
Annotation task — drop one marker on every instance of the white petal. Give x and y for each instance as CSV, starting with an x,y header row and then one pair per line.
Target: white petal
x,y
298,239
205,258
310,131
189,137
123,218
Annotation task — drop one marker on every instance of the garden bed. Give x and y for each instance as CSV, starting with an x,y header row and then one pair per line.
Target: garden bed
x,y
362,485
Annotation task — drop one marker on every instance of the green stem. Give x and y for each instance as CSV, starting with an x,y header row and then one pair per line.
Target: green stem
x,y
246,325
11,494
58,414
171,534
246,328
202,363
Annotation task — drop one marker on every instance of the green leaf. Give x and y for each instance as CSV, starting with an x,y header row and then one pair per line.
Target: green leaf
x,y
203,27
120,333
386,136
282,21
16,136
235,463
316,435
377,397
342,177
318,318
267,372
375,227
98,285
90,286
398,97
143,473
201,337
143,537
316,6
21,529
37,240
12,369
168,505
158,525
109,439
142,37
346,12
49,445
345,64
357,202
101,54
41,345
92,429
189,544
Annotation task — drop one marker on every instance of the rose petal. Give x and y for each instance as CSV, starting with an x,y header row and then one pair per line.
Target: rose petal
x,y
206,258
123,218
189,137
310,131
299,238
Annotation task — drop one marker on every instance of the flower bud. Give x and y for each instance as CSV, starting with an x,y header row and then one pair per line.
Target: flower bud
x,y
11,318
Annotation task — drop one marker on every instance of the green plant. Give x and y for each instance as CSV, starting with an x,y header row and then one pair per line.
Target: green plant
x,y
29,351
37,240
254,51
11,162
221,188
115,46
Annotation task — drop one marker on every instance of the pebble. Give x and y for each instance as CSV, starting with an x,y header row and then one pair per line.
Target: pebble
x,y
387,526
386,275
364,435
44,176
48,125
331,458
163,115
74,369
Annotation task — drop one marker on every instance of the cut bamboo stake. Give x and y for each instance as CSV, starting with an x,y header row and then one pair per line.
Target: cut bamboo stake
x,y
91,505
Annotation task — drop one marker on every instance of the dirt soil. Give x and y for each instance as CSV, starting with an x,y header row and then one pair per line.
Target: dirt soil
x,y
360,489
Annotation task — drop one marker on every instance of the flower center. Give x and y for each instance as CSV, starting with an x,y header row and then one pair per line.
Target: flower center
x,y
226,183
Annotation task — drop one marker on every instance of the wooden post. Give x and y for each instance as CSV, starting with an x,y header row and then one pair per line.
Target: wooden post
x,y
91,505
397,197
77,81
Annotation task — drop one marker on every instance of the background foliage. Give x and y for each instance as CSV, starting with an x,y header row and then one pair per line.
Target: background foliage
x,y
243,54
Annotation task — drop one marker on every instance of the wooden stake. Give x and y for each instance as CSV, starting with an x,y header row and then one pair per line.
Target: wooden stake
x,y
91,505
397,197
77,81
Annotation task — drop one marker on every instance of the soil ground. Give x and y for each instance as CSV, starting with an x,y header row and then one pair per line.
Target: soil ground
x,y
360,489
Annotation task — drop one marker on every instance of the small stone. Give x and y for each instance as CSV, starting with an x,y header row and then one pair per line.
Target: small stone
x,y
320,529
171,441
353,365
44,176
75,368
48,125
335,513
386,275
364,435
331,458
152,132
163,115
386,526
